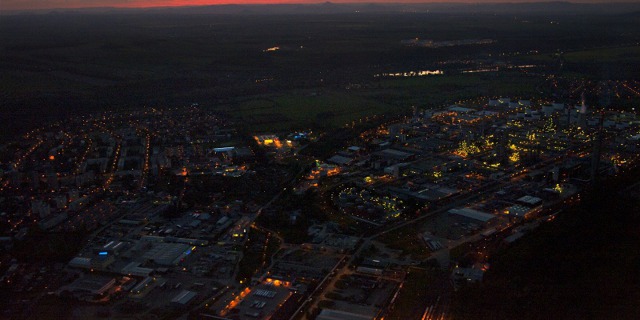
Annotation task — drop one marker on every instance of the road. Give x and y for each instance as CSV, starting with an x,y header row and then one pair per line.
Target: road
x,y
323,287
437,306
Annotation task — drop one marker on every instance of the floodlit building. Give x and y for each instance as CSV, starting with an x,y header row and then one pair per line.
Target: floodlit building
x,y
167,254
183,298
340,160
530,201
80,262
330,314
90,284
134,269
519,211
460,276
472,214
142,288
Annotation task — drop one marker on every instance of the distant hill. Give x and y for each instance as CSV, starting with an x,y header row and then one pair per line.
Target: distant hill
x,y
556,8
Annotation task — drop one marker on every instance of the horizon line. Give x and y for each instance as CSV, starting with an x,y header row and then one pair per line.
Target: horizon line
x,y
168,4
134,6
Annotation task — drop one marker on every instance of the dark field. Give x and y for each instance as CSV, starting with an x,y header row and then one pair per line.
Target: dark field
x,y
576,268
56,65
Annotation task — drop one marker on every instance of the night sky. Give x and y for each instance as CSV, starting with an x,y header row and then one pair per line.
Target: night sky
x,y
49,4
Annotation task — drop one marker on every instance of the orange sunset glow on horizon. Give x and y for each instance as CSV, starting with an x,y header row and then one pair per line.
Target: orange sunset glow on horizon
x,y
53,4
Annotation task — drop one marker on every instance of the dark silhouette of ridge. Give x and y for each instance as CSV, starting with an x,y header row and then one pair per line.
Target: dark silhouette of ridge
x,y
555,7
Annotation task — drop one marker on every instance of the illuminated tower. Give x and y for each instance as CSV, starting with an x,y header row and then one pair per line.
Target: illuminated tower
x,y
582,119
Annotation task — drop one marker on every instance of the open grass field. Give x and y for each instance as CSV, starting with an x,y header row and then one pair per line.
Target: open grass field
x,y
331,108
407,240
617,62
57,65
447,88
300,110
606,55
621,54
